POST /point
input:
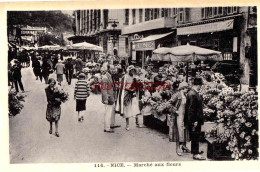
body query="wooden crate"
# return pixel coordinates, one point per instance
(217, 151)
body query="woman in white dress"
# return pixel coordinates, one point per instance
(127, 104)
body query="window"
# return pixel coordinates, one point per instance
(220, 10)
(203, 13)
(126, 45)
(127, 16)
(181, 14)
(162, 12)
(147, 14)
(87, 20)
(105, 19)
(99, 19)
(151, 14)
(91, 21)
(140, 15)
(215, 11)
(229, 10)
(210, 12)
(235, 10)
(133, 16)
(156, 13)
(175, 11)
(169, 12)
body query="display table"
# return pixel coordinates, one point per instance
(154, 123)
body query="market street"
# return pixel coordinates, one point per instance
(30, 141)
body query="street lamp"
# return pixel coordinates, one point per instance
(114, 34)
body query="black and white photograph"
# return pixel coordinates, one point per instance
(104, 85)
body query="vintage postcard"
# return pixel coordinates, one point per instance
(130, 85)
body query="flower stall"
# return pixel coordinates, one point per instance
(232, 115)
(237, 115)
(15, 103)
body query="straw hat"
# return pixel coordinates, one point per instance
(183, 85)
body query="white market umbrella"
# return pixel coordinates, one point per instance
(50, 47)
(188, 53)
(85, 46)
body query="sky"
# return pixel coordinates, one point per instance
(70, 12)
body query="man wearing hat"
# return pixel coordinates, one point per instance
(59, 71)
(159, 79)
(108, 99)
(69, 70)
(194, 117)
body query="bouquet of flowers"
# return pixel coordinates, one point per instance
(15, 103)
(61, 94)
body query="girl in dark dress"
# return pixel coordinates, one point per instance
(37, 69)
(53, 111)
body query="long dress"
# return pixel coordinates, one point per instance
(178, 131)
(53, 111)
(127, 104)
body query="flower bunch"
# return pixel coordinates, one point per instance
(15, 103)
(240, 119)
(61, 94)
(209, 114)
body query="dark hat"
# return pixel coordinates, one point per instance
(197, 81)
(82, 75)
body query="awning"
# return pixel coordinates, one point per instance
(148, 43)
(205, 28)
(154, 37)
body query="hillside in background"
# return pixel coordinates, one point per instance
(55, 21)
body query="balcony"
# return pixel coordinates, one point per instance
(165, 22)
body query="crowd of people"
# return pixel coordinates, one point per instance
(122, 88)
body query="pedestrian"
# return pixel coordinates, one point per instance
(159, 80)
(69, 70)
(139, 90)
(37, 68)
(81, 94)
(55, 61)
(53, 111)
(178, 131)
(127, 103)
(59, 71)
(79, 65)
(108, 98)
(17, 76)
(46, 68)
(193, 117)
(10, 75)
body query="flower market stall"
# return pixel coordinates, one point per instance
(186, 53)
(232, 114)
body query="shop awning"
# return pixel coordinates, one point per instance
(148, 43)
(153, 37)
(206, 28)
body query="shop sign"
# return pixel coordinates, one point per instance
(137, 37)
(150, 45)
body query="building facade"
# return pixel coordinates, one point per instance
(25, 35)
(219, 28)
(147, 29)
(135, 33)
(101, 27)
